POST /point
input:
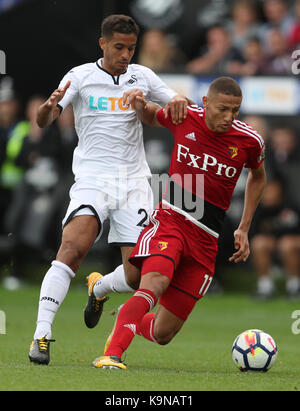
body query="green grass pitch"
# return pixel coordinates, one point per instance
(198, 359)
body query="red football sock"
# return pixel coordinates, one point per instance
(129, 319)
(146, 327)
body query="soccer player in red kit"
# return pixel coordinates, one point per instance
(176, 252)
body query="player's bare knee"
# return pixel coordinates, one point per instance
(286, 245)
(163, 338)
(163, 331)
(71, 254)
(156, 282)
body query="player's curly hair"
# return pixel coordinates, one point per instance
(119, 23)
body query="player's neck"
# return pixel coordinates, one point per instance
(110, 70)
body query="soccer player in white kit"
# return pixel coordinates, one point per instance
(110, 169)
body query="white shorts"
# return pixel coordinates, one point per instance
(127, 205)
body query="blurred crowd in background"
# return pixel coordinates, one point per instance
(256, 39)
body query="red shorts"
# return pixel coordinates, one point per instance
(191, 250)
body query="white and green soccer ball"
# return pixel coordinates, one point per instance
(254, 350)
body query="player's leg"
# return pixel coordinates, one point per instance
(166, 323)
(124, 279)
(179, 271)
(126, 225)
(262, 248)
(175, 305)
(156, 273)
(173, 310)
(99, 286)
(78, 236)
(161, 326)
(153, 284)
(190, 282)
(129, 317)
(289, 249)
(132, 273)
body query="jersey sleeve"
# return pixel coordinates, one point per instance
(256, 156)
(71, 92)
(158, 91)
(166, 122)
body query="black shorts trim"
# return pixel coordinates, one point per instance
(213, 216)
(137, 260)
(60, 108)
(71, 216)
(185, 292)
(122, 244)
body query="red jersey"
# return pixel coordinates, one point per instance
(210, 161)
(220, 157)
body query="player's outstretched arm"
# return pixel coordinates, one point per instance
(146, 111)
(49, 111)
(254, 189)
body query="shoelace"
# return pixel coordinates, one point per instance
(97, 303)
(43, 344)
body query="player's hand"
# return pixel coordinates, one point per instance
(135, 98)
(241, 244)
(177, 108)
(57, 95)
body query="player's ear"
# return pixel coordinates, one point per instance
(204, 100)
(102, 43)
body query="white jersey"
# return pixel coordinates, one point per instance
(110, 136)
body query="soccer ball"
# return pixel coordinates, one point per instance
(254, 350)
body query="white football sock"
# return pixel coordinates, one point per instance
(292, 284)
(265, 285)
(54, 289)
(112, 282)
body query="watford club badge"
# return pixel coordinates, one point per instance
(162, 245)
(233, 151)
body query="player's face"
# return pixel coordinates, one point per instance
(117, 52)
(221, 110)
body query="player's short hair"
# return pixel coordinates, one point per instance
(225, 85)
(119, 23)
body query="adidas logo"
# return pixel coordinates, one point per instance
(191, 136)
(132, 327)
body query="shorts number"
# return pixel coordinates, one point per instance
(142, 222)
(206, 283)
